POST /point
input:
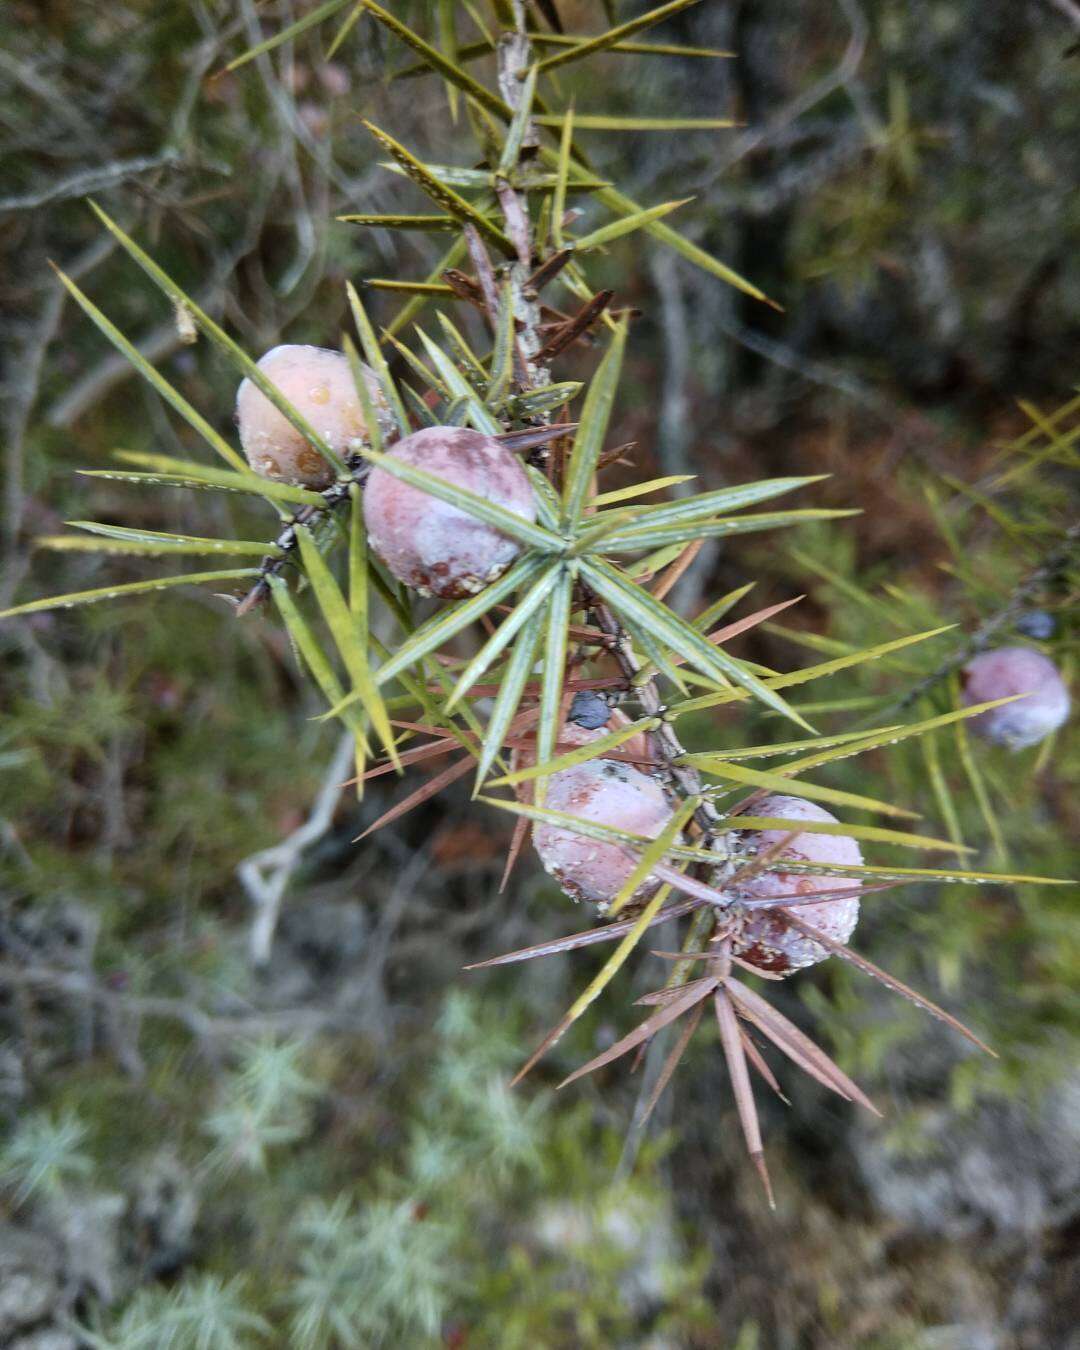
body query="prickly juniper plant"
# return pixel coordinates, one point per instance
(458, 501)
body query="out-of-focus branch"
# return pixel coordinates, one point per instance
(1069, 8)
(840, 77)
(27, 369)
(266, 875)
(90, 180)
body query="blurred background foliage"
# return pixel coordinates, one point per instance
(323, 1151)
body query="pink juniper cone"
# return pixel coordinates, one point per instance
(609, 793)
(431, 546)
(1015, 670)
(319, 384)
(765, 940)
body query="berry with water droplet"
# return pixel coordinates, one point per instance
(1015, 670)
(319, 384)
(763, 938)
(434, 547)
(606, 792)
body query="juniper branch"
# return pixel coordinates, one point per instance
(288, 540)
(665, 744)
(515, 54)
(266, 875)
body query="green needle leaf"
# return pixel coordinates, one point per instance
(781, 781)
(595, 416)
(309, 648)
(442, 65)
(878, 873)
(502, 357)
(450, 621)
(127, 588)
(893, 735)
(556, 642)
(417, 289)
(471, 366)
(516, 134)
(189, 473)
(317, 15)
(509, 696)
(599, 122)
(940, 788)
(503, 635)
(147, 543)
(708, 616)
(617, 228)
(448, 39)
(358, 566)
(363, 393)
(664, 624)
(614, 35)
(441, 193)
(624, 206)
(479, 414)
(980, 792)
(221, 339)
(473, 50)
(641, 536)
(702, 761)
(343, 630)
(373, 355)
(439, 223)
(593, 529)
(810, 673)
(428, 376)
(343, 32)
(721, 500)
(872, 833)
(581, 754)
(658, 659)
(172, 396)
(558, 204)
(641, 489)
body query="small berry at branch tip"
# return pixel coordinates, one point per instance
(1015, 670)
(764, 938)
(319, 384)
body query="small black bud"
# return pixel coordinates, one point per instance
(1036, 623)
(589, 710)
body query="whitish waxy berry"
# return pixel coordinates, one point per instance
(764, 938)
(319, 384)
(434, 547)
(609, 793)
(1015, 670)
